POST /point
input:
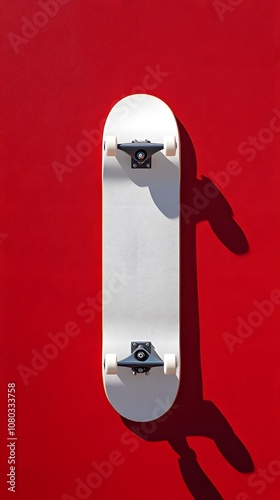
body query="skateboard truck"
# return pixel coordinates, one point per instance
(141, 360)
(141, 152)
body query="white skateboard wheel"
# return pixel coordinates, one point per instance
(170, 145)
(110, 145)
(111, 364)
(170, 364)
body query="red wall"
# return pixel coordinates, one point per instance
(216, 64)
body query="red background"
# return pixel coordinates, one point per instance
(217, 67)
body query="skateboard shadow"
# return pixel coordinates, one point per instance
(191, 415)
(163, 188)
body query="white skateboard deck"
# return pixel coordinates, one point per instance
(141, 258)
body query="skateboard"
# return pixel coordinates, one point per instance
(141, 181)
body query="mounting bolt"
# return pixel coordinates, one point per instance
(147, 344)
(134, 344)
(148, 165)
(140, 155)
(134, 165)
